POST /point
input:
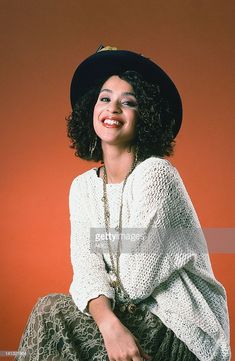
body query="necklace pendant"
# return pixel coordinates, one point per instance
(122, 308)
(114, 284)
(131, 308)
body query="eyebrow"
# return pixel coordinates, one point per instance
(110, 91)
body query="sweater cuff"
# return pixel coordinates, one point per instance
(82, 303)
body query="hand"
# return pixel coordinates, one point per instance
(120, 343)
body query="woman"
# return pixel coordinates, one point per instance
(143, 287)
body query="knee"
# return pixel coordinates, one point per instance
(46, 303)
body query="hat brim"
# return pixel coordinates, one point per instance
(106, 63)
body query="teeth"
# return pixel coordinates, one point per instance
(111, 122)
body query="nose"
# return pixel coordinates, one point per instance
(113, 107)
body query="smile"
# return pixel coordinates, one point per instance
(111, 122)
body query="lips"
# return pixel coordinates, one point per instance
(111, 121)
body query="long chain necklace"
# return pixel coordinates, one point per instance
(117, 284)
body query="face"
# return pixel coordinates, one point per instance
(115, 112)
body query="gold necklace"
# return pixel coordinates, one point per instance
(117, 284)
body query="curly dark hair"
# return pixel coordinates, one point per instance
(154, 127)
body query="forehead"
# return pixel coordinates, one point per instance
(116, 83)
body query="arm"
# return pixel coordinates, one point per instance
(169, 233)
(90, 288)
(90, 278)
(120, 343)
(171, 261)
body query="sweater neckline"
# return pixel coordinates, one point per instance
(100, 180)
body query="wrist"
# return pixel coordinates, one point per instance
(109, 322)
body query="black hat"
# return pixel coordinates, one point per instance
(108, 61)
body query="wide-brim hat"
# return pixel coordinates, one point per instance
(108, 61)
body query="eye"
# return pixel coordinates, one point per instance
(130, 103)
(104, 99)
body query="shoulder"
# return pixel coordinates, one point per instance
(79, 184)
(82, 178)
(158, 176)
(155, 163)
(155, 169)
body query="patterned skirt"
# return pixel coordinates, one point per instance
(57, 331)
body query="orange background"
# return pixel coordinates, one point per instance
(42, 43)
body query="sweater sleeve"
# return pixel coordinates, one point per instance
(90, 278)
(169, 261)
(167, 231)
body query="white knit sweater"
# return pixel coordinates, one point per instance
(169, 260)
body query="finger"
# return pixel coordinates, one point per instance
(144, 355)
(139, 358)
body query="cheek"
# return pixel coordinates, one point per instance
(134, 122)
(97, 111)
(134, 117)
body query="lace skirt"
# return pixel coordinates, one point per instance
(56, 330)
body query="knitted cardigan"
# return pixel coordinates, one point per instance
(167, 260)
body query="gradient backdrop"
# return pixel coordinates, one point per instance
(41, 44)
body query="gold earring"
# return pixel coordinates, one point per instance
(92, 146)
